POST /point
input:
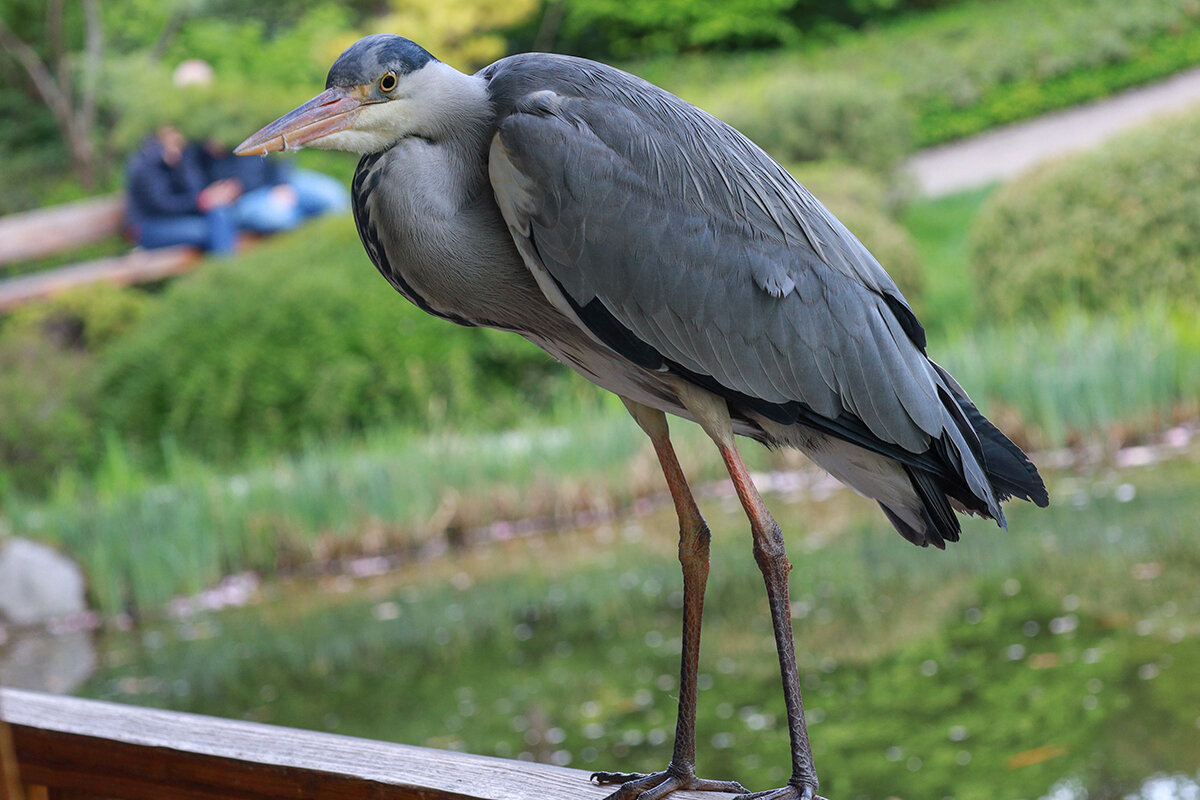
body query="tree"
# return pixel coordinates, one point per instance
(66, 82)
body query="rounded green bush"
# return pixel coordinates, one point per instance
(809, 117)
(301, 337)
(1114, 228)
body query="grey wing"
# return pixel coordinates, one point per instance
(654, 220)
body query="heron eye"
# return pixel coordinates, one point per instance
(388, 81)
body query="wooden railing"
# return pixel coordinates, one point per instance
(45, 231)
(73, 749)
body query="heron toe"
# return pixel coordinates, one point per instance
(637, 786)
(793, 791)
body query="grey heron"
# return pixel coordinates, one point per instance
(666, 258)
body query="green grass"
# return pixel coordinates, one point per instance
(144, 537)
(1058, 650)
(940, 230)
(1082, 378)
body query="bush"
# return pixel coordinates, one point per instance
(46, 424)
(82, 319)
(808, 117)
(1108, 229)
(47, 364)
(301, 337)
(862, 202)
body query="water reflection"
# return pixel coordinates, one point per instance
(41, 661)
(1157, 787)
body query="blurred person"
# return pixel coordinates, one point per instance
(170, 200)
(275, 196)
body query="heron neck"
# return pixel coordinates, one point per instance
(462, 118)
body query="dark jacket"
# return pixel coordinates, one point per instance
(254, 172)
(158, 189)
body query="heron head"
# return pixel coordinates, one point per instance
(381, 89)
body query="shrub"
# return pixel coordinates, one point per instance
(46, 424)
(85, 318)
(47, 364)
(809, 117)
(301, 337)
(1107, 229)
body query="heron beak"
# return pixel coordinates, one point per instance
(331, 111)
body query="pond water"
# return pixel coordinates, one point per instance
(1058, 660)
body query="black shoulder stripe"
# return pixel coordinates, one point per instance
(601, 322)
(908, 320)
(365, 181)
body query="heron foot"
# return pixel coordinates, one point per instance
(637, 786)
(793, 791)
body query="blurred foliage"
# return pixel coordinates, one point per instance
(47, 364)
(1080, 377)
(984, 63)
(638, 28)
(969, 66)
(1112, 228)
(300, 336)
(466, 33)
(86, 318)
(939, 228)
(814, 117)
(46, 425)
(865, 205)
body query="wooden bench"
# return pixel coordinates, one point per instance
(86, 750)
(44, 232)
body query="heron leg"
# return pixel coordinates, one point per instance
(771, 556)
(712, 413)
(693, 557)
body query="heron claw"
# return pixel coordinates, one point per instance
(793, 791)
(639, 786)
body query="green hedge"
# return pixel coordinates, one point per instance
(1114, 228)
(809, 117)
(301, 337)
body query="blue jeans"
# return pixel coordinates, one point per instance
(215, 231)
(263, 211)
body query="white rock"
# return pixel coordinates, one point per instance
(37, 583)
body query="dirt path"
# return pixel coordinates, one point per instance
(1002, 153)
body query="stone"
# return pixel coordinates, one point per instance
(37, 583)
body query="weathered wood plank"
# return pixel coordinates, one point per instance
(10, 781)
(140, 266)
(44, 231)
(148, 754)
